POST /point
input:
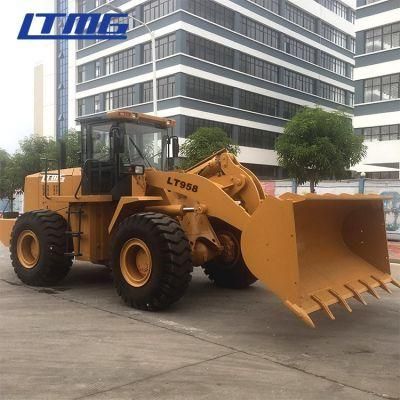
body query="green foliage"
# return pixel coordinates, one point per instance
(28, 159)
(317, 145)
(204, 142)
(8, 181)
(73, 146)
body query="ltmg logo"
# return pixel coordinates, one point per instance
(76, 26)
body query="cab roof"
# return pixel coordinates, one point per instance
(131, 116)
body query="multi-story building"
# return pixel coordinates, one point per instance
(243, 65)
(54, 80)
(377, 84)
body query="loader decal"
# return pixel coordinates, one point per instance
(183, 185)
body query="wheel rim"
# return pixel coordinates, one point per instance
(136, 262)
(231, 251)
(28, 249)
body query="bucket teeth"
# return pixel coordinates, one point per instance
(323, 306)
(370, 289)
(396, 282)
(356, 294)
(340, 299)
(300, 313)
(381, 284)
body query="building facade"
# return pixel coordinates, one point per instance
(377, 84)
(244, 65)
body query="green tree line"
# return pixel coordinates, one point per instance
(29, 159)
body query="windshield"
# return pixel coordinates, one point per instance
(145, 144)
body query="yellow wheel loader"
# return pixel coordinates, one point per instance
(124, 208)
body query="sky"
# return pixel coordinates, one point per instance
(19, 58)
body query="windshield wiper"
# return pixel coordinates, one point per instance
(139, 152)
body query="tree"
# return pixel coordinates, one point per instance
(73, 148)
(8, 181)
(317, 144)
(29, 158)
(204, 142)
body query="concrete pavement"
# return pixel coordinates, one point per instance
(394, 251)
(78, 341)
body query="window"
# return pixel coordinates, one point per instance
(192, 124)
(333, 64)
(259, 32)
(128, 20)
(158, 8)
(333, 35)
(338, 8)
(289, 110)
(97, 69)
(212, 12)
(299, 49)
(120, 61)
(82, 73)
(272, 5)
(352, 45)
(165, 89)
(119, 98)
(382, 38)
(251, 137)
(81, 107)
(351, 99)
(165, 46)
(209, 51)
(387, 132)
(298, 81)
(97, 103)
(300, 17)
(209, 91)
(82, 6)
(260, 68)
(258, 103)
(382, 88)
(333, 93)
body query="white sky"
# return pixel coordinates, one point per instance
(16, 72)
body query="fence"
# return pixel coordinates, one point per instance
(388, 188)
(18, 204)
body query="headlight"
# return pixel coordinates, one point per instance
(138, 170)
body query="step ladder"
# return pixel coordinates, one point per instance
(74, 234)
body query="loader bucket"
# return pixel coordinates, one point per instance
(6, 226)
(314, 251)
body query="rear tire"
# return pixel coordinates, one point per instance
(229, 269)
(151, 261)
(38, 243)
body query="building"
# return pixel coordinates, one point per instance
(38, 104)
(54, 81)
(244, 65)
(377, 85)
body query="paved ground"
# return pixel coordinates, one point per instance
(394, 251)
(78, 341)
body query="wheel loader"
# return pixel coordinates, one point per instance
(124, 208)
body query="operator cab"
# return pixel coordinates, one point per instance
(122, 144)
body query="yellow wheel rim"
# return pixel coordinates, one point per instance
(136, 263)
(28, 249)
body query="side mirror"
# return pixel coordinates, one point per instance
(175, 147)
(118, 139)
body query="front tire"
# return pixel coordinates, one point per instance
(229, 270)
(151, 261)
(38, 244)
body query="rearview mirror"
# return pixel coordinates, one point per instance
(175, 147)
